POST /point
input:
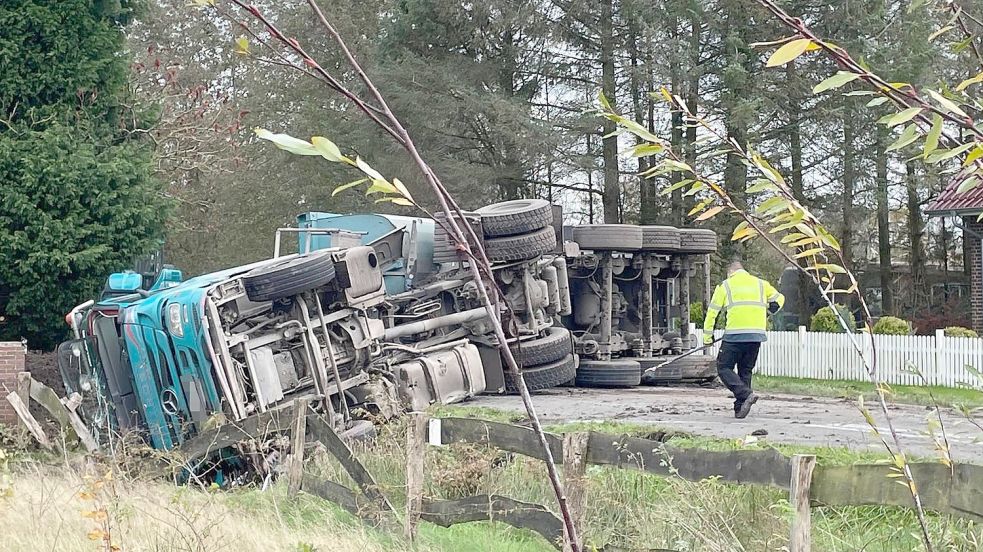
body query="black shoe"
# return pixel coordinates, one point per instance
(745, 407)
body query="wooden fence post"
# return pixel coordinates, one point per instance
(24, 412)
(801, 533)
(298, 440)
(574, 471)
(416, 443)
(24, 386)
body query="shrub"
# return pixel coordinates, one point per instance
(697, 314)
(891, 325)
(959, 331)
(825, 320)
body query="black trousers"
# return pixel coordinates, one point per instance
(743, 356)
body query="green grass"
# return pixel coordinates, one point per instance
(903, 394)
(636, 510)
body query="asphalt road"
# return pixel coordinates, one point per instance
(792, 419)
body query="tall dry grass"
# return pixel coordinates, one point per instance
(51, 508)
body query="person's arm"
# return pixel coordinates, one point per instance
(713, 309)
(774, 298)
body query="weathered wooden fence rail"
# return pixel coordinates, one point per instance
(957, 491)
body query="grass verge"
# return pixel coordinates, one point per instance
(903, 394)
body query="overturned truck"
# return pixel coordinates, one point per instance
(380, 313)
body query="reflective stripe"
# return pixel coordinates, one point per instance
(744, 332)
(774, 297)
(730, 296)
(713, 308)
(747, 304)
(761, 291)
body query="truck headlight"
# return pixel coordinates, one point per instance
(174, 324)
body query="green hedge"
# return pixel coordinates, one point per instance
(825, 320)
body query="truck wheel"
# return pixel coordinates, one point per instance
(663, 375)
(544, 376)
(519, 216)
(609, 373)
(289, 277)
(697, 240)
(660, 238)
(608, 237)
(522, 247)
(555, 346)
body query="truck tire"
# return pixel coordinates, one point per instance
(511, 218)
(609, 373)
(697, 240)
(544, 376)
(554, 346)
(289, 277)
(660, 238)
(664, 375)
(608, 237)
(522, 247)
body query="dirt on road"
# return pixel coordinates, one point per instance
(787, 419)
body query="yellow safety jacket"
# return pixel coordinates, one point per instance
(745, 299)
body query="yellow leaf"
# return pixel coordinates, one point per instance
(973, 156)
(700, 206)
(97, 515)
(402, 189)
(242, 46)
(969, 82)
(710, 213)
(381, 186)
(932, 139)
(904, 116)
(788, 52)
(327, 149)
(84, 495)
(369, 171)
(809, 252)
(344, 187)
(96, 534)
(948, 104)
(666, 94)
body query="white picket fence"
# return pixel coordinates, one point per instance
(941, 360)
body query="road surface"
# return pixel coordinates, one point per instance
(791, 419)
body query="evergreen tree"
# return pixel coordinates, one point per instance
(77, 200)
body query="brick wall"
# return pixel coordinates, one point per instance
(975, 261)
(11, 362)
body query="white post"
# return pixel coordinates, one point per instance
(802, 352)
(939, 363)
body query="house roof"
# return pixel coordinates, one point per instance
(950, 202)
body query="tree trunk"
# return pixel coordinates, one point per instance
(612, 189)
(646, 197)
(676, 132)
(794, 110)
(692, 93)
(916, 231)
(884, 226)
(849, 185)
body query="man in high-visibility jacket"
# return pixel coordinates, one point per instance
(747, 300)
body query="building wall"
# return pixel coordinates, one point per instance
(11, 362)
(975, 262)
